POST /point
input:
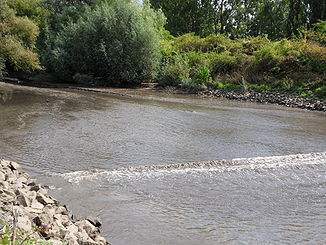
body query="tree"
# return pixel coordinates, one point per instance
(33, 9)
(241, 18)
(316, 11)
(117, 43)
(184, 16)
(17, 40)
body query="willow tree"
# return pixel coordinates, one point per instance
(116, 43)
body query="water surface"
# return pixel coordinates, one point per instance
(91, 149)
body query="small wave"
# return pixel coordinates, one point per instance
(238, 164)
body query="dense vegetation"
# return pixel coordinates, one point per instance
(297, 65)
(258, 45)
(241, 18)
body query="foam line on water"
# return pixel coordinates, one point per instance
(238, 164)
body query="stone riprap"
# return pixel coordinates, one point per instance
(313, 104)
(31, 206)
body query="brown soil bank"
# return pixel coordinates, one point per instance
(25, 205)
(288, 100)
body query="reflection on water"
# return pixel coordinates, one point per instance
(59, 135)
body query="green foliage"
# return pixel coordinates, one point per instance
(261, 88)
(255, 63)
(321, 92)
(318, 33)
(223, 63)
(175, 71)
(117, 43)
(239, 19)
(21, 237)
(229, 86)
(217, 43)
(33, 9)
(84, 79)
(17, 40)
(187, 70)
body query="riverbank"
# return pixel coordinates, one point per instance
(25, 205)
(283, 99)
(287, 100)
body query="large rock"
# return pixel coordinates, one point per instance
(23, 200)
(24, 224)
(87, 226)
(43, 199)
(43, 220)
(2, 176)
(14, 166)
(94, 221)
(37, 205)
(54, 242)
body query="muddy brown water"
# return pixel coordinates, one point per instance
(91, 150)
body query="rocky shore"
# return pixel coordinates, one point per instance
(287, 100)
(25, 205)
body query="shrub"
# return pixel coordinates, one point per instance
(318, 32)
(115, 42)
(253, 44)
(175, 71)
(193, 84)
(203, 75)
(261, 88)
(228, 86)
(268, 59)
(84, 79)
(212, 43)
(255, 63)
(188, 42)
(10, 235)
(218, 43)
(223, 63)
(321, 92)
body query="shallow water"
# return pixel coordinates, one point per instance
(92, 148)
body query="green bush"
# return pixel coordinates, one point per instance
(261, 88)
(175, 71)
(254, 63)
(187, 70)
(318, 32)
(84, 79)
(188, 42)
(8, 235)
(250, 45)
(193, 84)
(203, 75)
(321, 92)
(228, 86)
(212, 43)
(116, 42)
(268, 59)
(223, 63)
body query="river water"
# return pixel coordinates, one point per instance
(91, 150)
